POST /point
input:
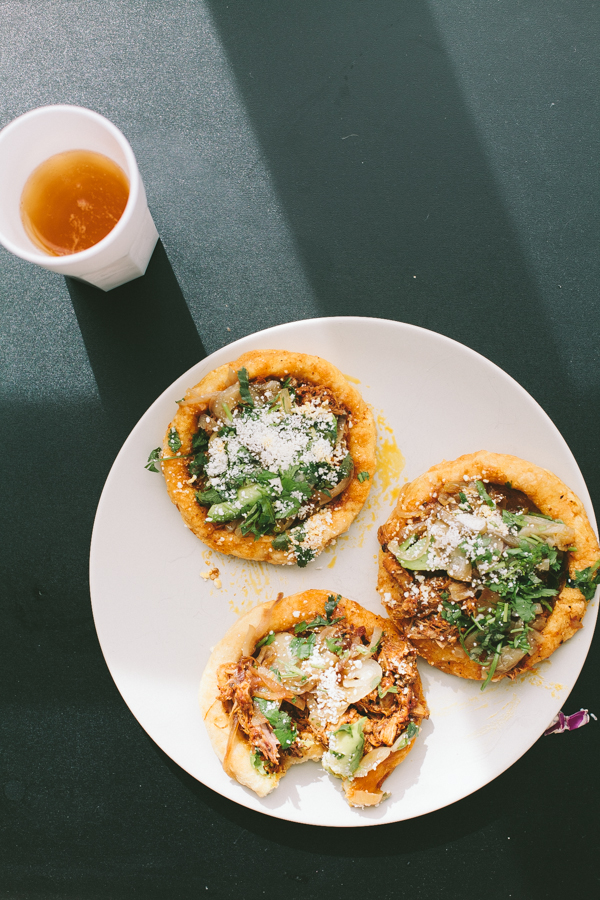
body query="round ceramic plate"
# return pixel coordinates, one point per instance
(158, 618)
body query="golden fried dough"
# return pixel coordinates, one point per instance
(325, 524)
(401, 589)
(238, 648)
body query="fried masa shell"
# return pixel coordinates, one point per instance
(365, 791)
(551, 496)
(262, 364)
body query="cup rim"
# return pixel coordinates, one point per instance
(83, 256)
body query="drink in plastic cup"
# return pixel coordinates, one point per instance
(31, 139)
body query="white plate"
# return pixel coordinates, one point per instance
(157, 618)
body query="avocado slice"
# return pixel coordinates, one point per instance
(345, 749)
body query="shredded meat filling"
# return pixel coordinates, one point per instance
(417, 610)
(387, 711)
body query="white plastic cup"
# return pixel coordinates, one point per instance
(26, 142)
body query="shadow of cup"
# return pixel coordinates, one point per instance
(139, 338)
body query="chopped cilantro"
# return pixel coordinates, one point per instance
(198, 464)
(282, 725)
(331, 604)
(346, 467)
(304, 555)
(524, 579)
(209, 497)
(274, 498)
(301, 647)
(362, 476)
(264, 476)
(493, 666)
(319, 621)
(257, 511)
(334, 644)
(452, 614)
(587, 580)
(174, 440)
(524, 608)
(200, 441)
(281, 542)
(152, 459)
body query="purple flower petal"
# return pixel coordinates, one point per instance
(562, 723)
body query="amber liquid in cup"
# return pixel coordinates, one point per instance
(73, 200)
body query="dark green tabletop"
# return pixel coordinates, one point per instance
(433, 163)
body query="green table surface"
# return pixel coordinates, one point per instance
(429, 162)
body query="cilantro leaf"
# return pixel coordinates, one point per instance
(174, 440)
(294, 479)
(301, 647)
(198, 463)
(523, 607)
(200, 441)
(209, 497)
(346, 467)
(259, 516)
(586, 580)
(304, 555)
(281, 723)
(152, 459)
(334, 644)
(331, 604)
(317, 622)
(281, 542)
(363, 476)
(199, 449)
(452, 613)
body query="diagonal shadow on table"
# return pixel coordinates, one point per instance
(139, 338)
(387, 188)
